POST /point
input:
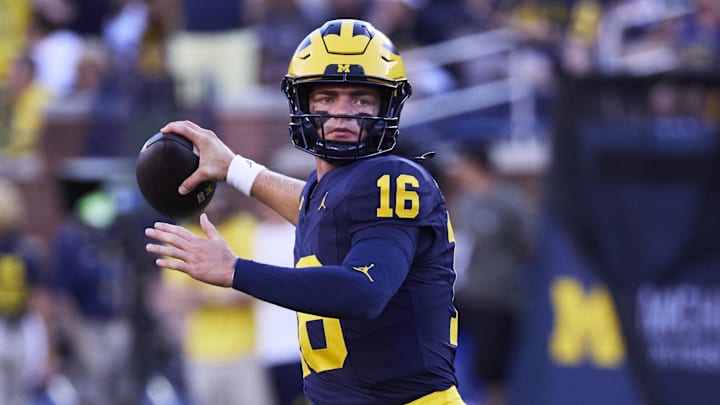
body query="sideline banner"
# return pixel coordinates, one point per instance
(633, 206)
(572, 351)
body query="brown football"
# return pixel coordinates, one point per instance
(164, 162)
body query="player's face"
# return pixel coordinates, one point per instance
(344, 100)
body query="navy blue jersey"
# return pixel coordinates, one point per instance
(91, 268)
(407, 350)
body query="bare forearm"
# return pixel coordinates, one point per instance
(279, 192)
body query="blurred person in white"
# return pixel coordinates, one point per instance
(24, 304)
(55, 49)
(216, 325)
(276, 330)
(492, 218)
(272, 243)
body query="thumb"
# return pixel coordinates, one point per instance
(190, 183)
(210, 231)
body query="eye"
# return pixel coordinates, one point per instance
(321, 99)
(366, 101)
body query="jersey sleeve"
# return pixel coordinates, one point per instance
(370, 275)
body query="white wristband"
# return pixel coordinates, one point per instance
(242, 173)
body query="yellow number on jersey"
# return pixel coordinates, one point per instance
(333, 355)
(407, 202)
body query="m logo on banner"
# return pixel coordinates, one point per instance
(585, 326)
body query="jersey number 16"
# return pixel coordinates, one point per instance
(406, 201)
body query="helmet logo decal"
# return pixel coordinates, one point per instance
(344, 68)
(350, 38)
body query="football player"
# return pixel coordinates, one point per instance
(373, 278)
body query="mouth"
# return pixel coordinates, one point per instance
(341, 135)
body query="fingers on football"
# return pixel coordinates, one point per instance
(192, 131)
(187, 129)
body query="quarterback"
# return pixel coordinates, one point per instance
(373, 278)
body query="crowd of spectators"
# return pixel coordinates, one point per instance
(155, 60)
(129, 66)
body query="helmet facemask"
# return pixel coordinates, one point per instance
(377, 135)
(346, 52)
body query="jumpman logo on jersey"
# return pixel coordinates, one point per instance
(366, 271)
(322, 202)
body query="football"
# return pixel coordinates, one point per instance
(164, 162)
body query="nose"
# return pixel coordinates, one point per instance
(343, 106)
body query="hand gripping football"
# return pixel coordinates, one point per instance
(163, 163)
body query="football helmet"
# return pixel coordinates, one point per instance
(346, 51)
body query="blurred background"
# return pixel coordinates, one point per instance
(577, 146)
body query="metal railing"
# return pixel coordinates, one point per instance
(472, 48)
(524, 148)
